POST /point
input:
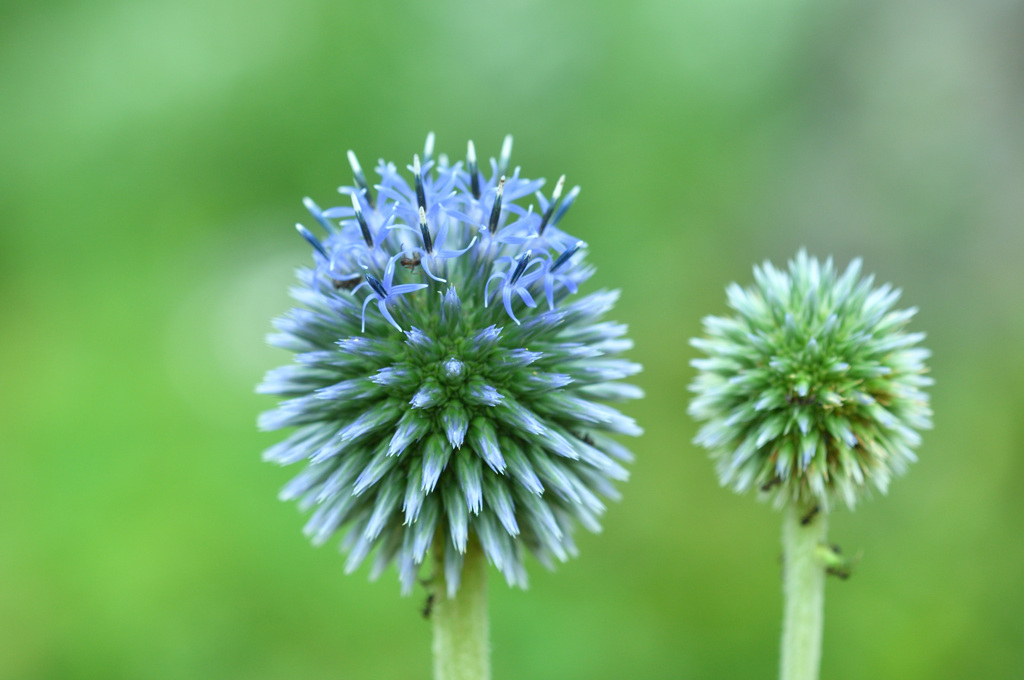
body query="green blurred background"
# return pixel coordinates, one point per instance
(153, 155)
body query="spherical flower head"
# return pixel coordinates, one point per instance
(446, 380)
(812, 390)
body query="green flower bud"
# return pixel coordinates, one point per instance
(812, 392)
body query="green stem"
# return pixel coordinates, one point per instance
(461, 648)
(803, 588)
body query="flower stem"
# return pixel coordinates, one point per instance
(461, 647)
(803, 588)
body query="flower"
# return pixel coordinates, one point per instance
(454, 405)
(812, 391)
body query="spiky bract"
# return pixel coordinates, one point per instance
(462, 401)
(812, 390)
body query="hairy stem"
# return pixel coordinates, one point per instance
(461, 647)
(803, 589)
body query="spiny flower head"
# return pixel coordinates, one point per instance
(445, 377)
(812, 390)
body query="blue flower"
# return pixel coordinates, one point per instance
(438, 416)
(516, 279)
(555, 273)
(432, 253)
(384, 292)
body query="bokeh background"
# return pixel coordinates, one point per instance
(153, 155)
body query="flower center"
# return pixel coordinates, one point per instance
(453, 371)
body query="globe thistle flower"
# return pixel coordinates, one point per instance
(446, 383)
(812, 391)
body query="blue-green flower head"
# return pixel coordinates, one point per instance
(447, 377)
(812, 392)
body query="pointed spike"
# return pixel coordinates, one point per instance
(428, 241)
(428, 148)
(486, 530)
(453, 559)
(457, 514)
(451, 306)
(421, 197)
(506, 155)
(455, 421)
(312, 240)
(570, 198)
(522, 261)
(385, 505)
(555, 478)
(492, 223)
(479, 393)
(513, 414)
(317, 214)
(360, 549)
(412, 503)
(471, 168)
(407, 567)
(378, 466)
(469, 473)
(555, 195)
(499, 500)
(544, 524)
(328, 518)
(410, 428)
(427, 396)
(484, 439)
(520, 468)
(436, 453)
(424, 529)
(363, 227)
(390, 546)
(360, 178)
(565, 256)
